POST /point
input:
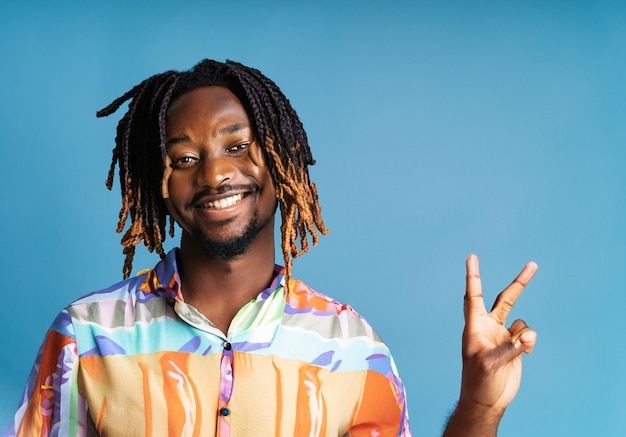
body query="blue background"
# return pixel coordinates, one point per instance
(440, 129)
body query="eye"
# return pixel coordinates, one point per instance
(184, 161)
(238, 148)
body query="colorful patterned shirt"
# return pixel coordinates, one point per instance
(136, 360)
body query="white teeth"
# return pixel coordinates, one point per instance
(224, 203)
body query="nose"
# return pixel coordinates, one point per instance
(215, 171)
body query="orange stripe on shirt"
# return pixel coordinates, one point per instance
(38, 415)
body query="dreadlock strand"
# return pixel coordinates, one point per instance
(287, 232)
(123, 145)
(111, 174)
(115, 104)
(172, 228)
(304, 241)
(150, 231)
(163, 114)
(129, 252)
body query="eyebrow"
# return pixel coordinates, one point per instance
(179, 139)
(231, 129)
(223, 131)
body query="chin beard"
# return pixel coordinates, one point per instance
(233, 247)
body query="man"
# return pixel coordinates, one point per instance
(217, 339)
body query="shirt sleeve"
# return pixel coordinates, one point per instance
(50, 403)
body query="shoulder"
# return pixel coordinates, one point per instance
(160, 281)
(331, 334)
(121, 291)
(309, 307)
(303, 297)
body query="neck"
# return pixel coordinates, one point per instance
(218, 288)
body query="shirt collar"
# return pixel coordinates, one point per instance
(164, 280)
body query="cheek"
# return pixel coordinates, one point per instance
(269, 192)
(262, 175)
(175, 212)
(174, 187)
(175, 192)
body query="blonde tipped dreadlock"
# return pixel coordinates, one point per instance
(140, 155)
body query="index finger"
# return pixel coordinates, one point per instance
(474, 304)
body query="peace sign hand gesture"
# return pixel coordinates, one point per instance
(492, 355)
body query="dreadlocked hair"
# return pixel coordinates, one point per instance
(140, 155)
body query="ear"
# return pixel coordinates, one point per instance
(256, 154)
(165, 192)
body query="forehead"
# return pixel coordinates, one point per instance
(205, 102)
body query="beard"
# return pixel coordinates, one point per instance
(235, 246)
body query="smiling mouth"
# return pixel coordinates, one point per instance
(222, 203)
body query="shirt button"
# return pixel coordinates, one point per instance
(227, 346)
(224, 411)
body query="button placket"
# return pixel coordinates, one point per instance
(226, 381)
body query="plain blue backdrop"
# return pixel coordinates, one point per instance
(440, 129)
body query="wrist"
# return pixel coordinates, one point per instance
(473, 409)
(471, 419)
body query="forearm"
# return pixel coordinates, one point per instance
(473, 421)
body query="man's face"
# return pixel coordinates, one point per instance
(220, 191)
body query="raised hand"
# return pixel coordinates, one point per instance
(492, 355)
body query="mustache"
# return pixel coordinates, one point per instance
(224, 189)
